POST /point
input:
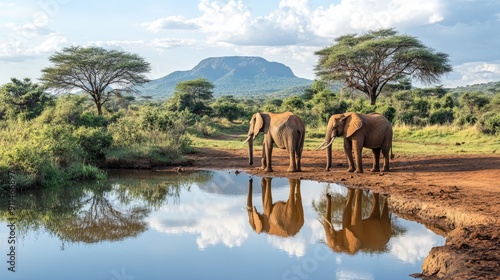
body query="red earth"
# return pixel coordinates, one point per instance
(455, 196)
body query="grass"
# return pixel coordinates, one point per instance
(407, 141)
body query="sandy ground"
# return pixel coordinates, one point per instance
(455, 196)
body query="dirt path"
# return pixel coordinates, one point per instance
(455, 196)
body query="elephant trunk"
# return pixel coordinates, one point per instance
(250, 150)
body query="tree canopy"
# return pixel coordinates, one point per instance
(192, 95)
(370, 61)
(22, 98)
(95, 70)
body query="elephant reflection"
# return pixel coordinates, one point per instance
(371, 234)
(280, 218)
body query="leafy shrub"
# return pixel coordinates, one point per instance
(93, 141)
(441, 116)
(490, 123)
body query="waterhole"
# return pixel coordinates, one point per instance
(207, 225)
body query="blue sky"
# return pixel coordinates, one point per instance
(176, 35)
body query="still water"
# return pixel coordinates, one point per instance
(208, 225)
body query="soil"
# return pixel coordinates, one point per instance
(457, 196)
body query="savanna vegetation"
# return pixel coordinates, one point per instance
(49, 139)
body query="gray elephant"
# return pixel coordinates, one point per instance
(371, 131)
(286, 130)
(279, 218)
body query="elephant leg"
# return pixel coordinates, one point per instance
(375, 213)
(269, 151)
(348, 153)
(263, 160)
(298, 158)
(386, 152)
(376, 160)
(293, 164)
(358, 154)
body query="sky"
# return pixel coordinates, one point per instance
(177, 35)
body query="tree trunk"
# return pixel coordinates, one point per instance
(99, 108)
(373, 99)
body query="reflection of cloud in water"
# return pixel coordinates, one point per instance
(295, 246)
(213, 224)
(348, 275)
(413, 247)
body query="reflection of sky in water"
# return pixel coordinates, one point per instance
(206, 235)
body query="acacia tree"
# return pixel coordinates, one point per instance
(370, 61)
(95, 70)
(192, 95)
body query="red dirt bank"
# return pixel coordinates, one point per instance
(455, 196)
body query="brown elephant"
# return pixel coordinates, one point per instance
(280, 218)
(371, 234)
(286, 130)
(371, 131)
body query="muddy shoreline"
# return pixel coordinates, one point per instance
(456, 196)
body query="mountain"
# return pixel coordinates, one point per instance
(232, 75)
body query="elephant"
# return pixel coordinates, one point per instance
(286, 130)
(371, 234)
(371, 131)
(281, 218)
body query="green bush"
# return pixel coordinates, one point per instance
(490, 123)
(441, 116)
(93, 141)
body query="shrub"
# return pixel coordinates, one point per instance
(441, 116)
(93, 141)
(490, 123)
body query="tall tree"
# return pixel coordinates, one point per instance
(23, 98)
(192, 95)
(95, 70)
(370, 61)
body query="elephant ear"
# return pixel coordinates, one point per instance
(259, 123)
(352, 123)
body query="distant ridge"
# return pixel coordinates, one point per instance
(232, 75)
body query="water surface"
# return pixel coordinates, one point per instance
(208, 225)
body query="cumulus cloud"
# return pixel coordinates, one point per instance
(212, 223)
(358, 16)
(168, 43)
(475, 73)
(172, 22)
(412, 249)
(294, 246)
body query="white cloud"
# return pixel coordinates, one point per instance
(49, 44)
(171, 22)
(212, 223)
(414, 248)
(475, 73)
(168, 43)
(294, 246)
(352, 16)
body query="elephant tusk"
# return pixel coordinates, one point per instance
(321, 145)
(248, 138)
(333, 138)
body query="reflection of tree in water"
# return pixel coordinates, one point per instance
(92, 212)
(157, 190)
(98, 220)
(344, 226)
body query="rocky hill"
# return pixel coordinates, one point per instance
(232, 75)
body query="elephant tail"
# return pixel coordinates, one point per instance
(301, 142)
(392, 155)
